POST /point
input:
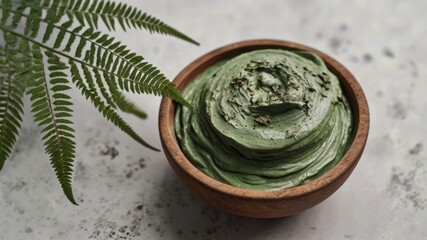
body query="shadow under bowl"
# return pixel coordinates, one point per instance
(264, 204)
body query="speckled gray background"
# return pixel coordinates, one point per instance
(128, 192)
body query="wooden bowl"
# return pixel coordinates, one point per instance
(264, 204)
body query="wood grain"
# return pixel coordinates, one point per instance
(264, 204)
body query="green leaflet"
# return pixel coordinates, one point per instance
(52, 110)
(60, 46)
(11, 94)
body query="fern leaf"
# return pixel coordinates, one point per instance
(11, 93)
(121, 101)
(110, 13)
(52, 110)
(107, 111)
(148, 79)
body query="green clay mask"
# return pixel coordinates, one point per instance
(265, 120)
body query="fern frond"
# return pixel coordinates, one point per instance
(111, 13)
(11, 93)
(106, 110)
(108, 55)
(52, 110)
(90, 13)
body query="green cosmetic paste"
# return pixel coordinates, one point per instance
(265, 120)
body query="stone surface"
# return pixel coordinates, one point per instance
(128, 192)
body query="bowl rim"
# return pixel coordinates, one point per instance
(347, 163)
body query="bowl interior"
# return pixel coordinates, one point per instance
(349, 85)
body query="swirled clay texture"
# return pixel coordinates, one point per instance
(265, 120)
